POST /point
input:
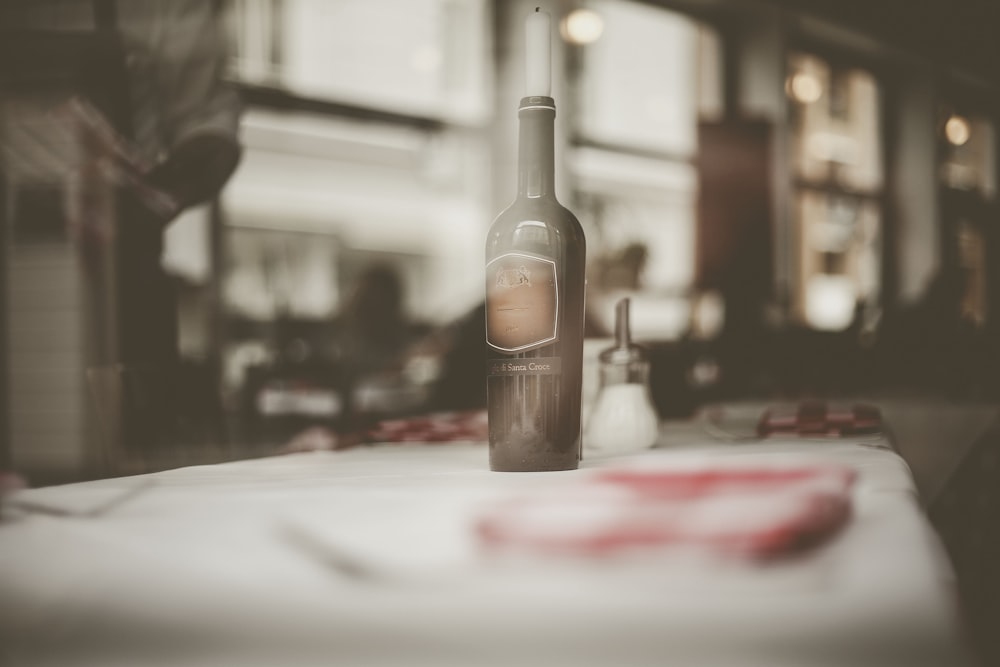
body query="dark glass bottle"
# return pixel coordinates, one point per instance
(535, 280)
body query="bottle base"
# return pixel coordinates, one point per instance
(532, 468)
(510, 462)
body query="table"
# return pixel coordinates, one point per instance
(366, 557)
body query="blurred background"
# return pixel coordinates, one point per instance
(800, 198)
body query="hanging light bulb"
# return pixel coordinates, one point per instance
(804, 87)
(829, 302)
(582, 26)
(957, 130)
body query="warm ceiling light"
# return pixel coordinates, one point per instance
(582, 26)
(830, 302)
(805, 87)
(957, 130)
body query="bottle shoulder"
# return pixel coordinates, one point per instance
(529, 213)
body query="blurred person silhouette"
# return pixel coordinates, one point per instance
(931, 346)
(174, 146)
(623, 269)
(370, 339)
(372, 329)
(116, 119)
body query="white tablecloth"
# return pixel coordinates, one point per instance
(367, 557)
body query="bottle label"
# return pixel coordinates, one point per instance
(522, 302)
(533, 366)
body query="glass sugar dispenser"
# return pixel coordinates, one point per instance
(623, 418)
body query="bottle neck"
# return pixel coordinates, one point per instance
(536, 147)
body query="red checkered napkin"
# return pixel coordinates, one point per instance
(819, 418)
(756, 512)
(435, 427)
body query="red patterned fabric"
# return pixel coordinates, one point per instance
(819, 418)
(436, 427)
(756, 512)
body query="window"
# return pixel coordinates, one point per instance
(379, 139)
(967, 174)
(641, 88)
(365, 142)
(836, 145)
(425, 58)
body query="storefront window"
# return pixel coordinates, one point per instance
(838, 176)
(642, 87)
